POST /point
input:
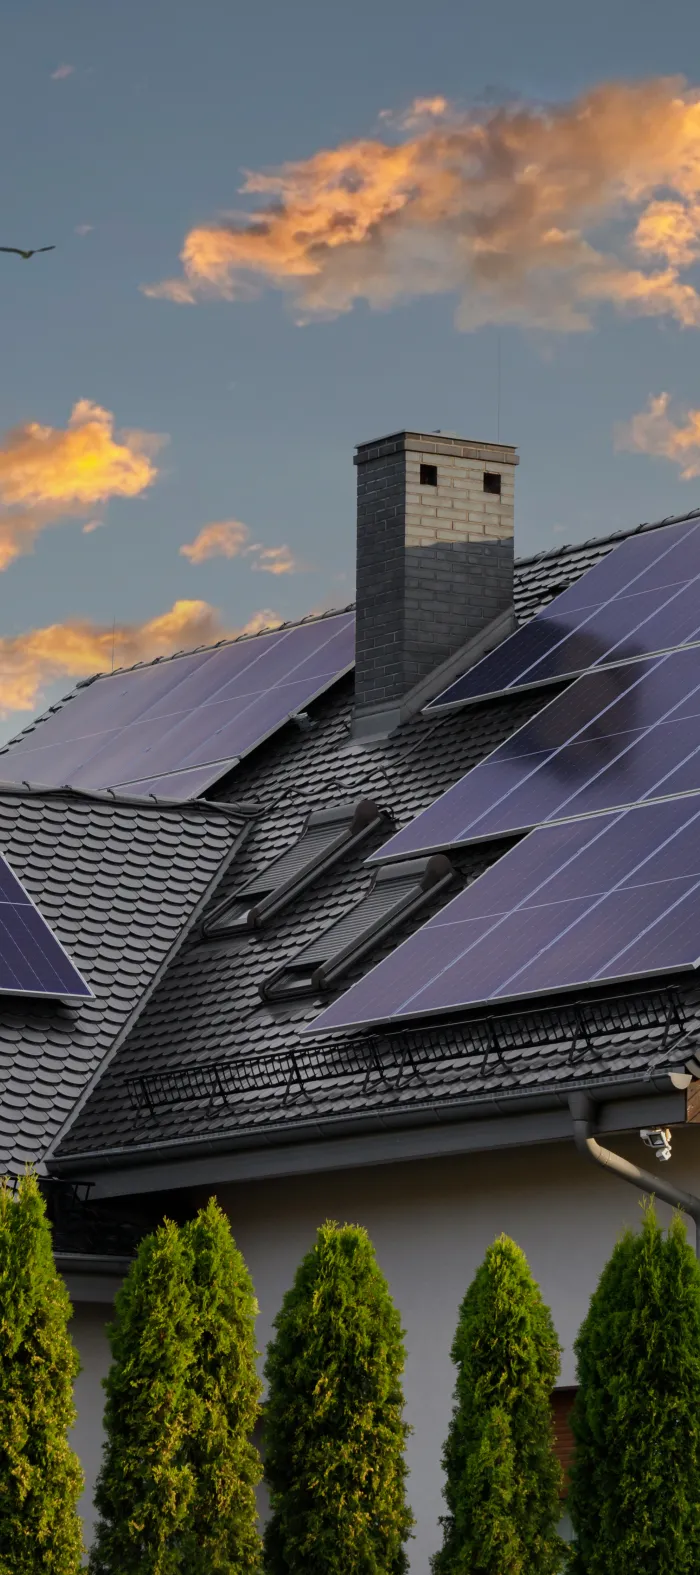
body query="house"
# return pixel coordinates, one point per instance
(285, 1010)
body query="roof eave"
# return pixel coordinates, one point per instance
(483, 1121)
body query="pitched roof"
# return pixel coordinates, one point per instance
(206, 1021)
(118, 882)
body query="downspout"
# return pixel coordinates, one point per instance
(583, 1112)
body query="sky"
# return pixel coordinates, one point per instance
(282, 230)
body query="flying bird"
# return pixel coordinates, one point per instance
(26, 255)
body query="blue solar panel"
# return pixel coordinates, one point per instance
(179, 788)
(32, 960)
(187, 713)
(617, 737)
(581, 903)
(642, 598)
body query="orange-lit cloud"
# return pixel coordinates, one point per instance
(274, 560)
(655, 431)
(229, 539)
(223, 539)
(31, 661)
(48, 474)
(532, 215)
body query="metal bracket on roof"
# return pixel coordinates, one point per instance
(484, 1048)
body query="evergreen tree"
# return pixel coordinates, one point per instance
(333, 1425)
(146, 1486)
(502, 1477)
(176, 1494)
(635, 1493)
(226, 1465)
(40, 1476)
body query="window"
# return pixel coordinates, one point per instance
(428, 475)
(397, 891)
(492, 482)
(326, 834)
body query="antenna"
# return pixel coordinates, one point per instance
(498, 386)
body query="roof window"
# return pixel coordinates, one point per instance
(326, 835)
(397, 891)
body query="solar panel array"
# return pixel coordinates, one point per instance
(173, 727)
(580, 903)
(605, 781)
(32, 960)
(642, 598)
(618, 736)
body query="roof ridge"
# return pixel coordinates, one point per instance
(599, 541)
(236, 639)
(243, 809)
(331, 612)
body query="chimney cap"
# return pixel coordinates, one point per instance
(435, 443)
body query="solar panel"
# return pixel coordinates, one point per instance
(643, 597)
(32, 960)
(185, 713)
(617, 737)
(577, 904)
(182, 786)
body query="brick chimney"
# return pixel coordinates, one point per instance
(434, 560)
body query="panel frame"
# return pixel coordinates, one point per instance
(439, 706)
(496, 913)
(27, 759)
(71, 997)
(402, 845)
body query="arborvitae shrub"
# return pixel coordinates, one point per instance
(40, 1476)
(176, 1494)
(146, 1486)
(635, 1493)
(226, 1465)
(502, 1476)
(334, 1431)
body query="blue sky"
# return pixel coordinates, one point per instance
(167, 102)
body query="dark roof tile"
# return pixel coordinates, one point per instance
(207, 1008)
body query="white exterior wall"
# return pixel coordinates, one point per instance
(88, 1334)
(431, 1222)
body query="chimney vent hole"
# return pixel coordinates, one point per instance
(428, 476)
(492, 482)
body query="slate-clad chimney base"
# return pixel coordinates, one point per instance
(434, 561)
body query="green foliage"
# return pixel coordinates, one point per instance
(502, 1477)
(226, 1465)
(333, 1423)
(40, 1476)
(176, 1490)
(635, 1494)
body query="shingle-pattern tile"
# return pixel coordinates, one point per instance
(117, 884)
(208, 1008)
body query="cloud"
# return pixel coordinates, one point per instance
(274, 560)
(537, 215)
(84, 229)
(31, 661)
(419, 113)
(61, 72)
(223, 539)
(91, 526)
(48, 474)
(654, 431)
(229, 539)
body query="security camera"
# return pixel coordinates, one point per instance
(659, 1139)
